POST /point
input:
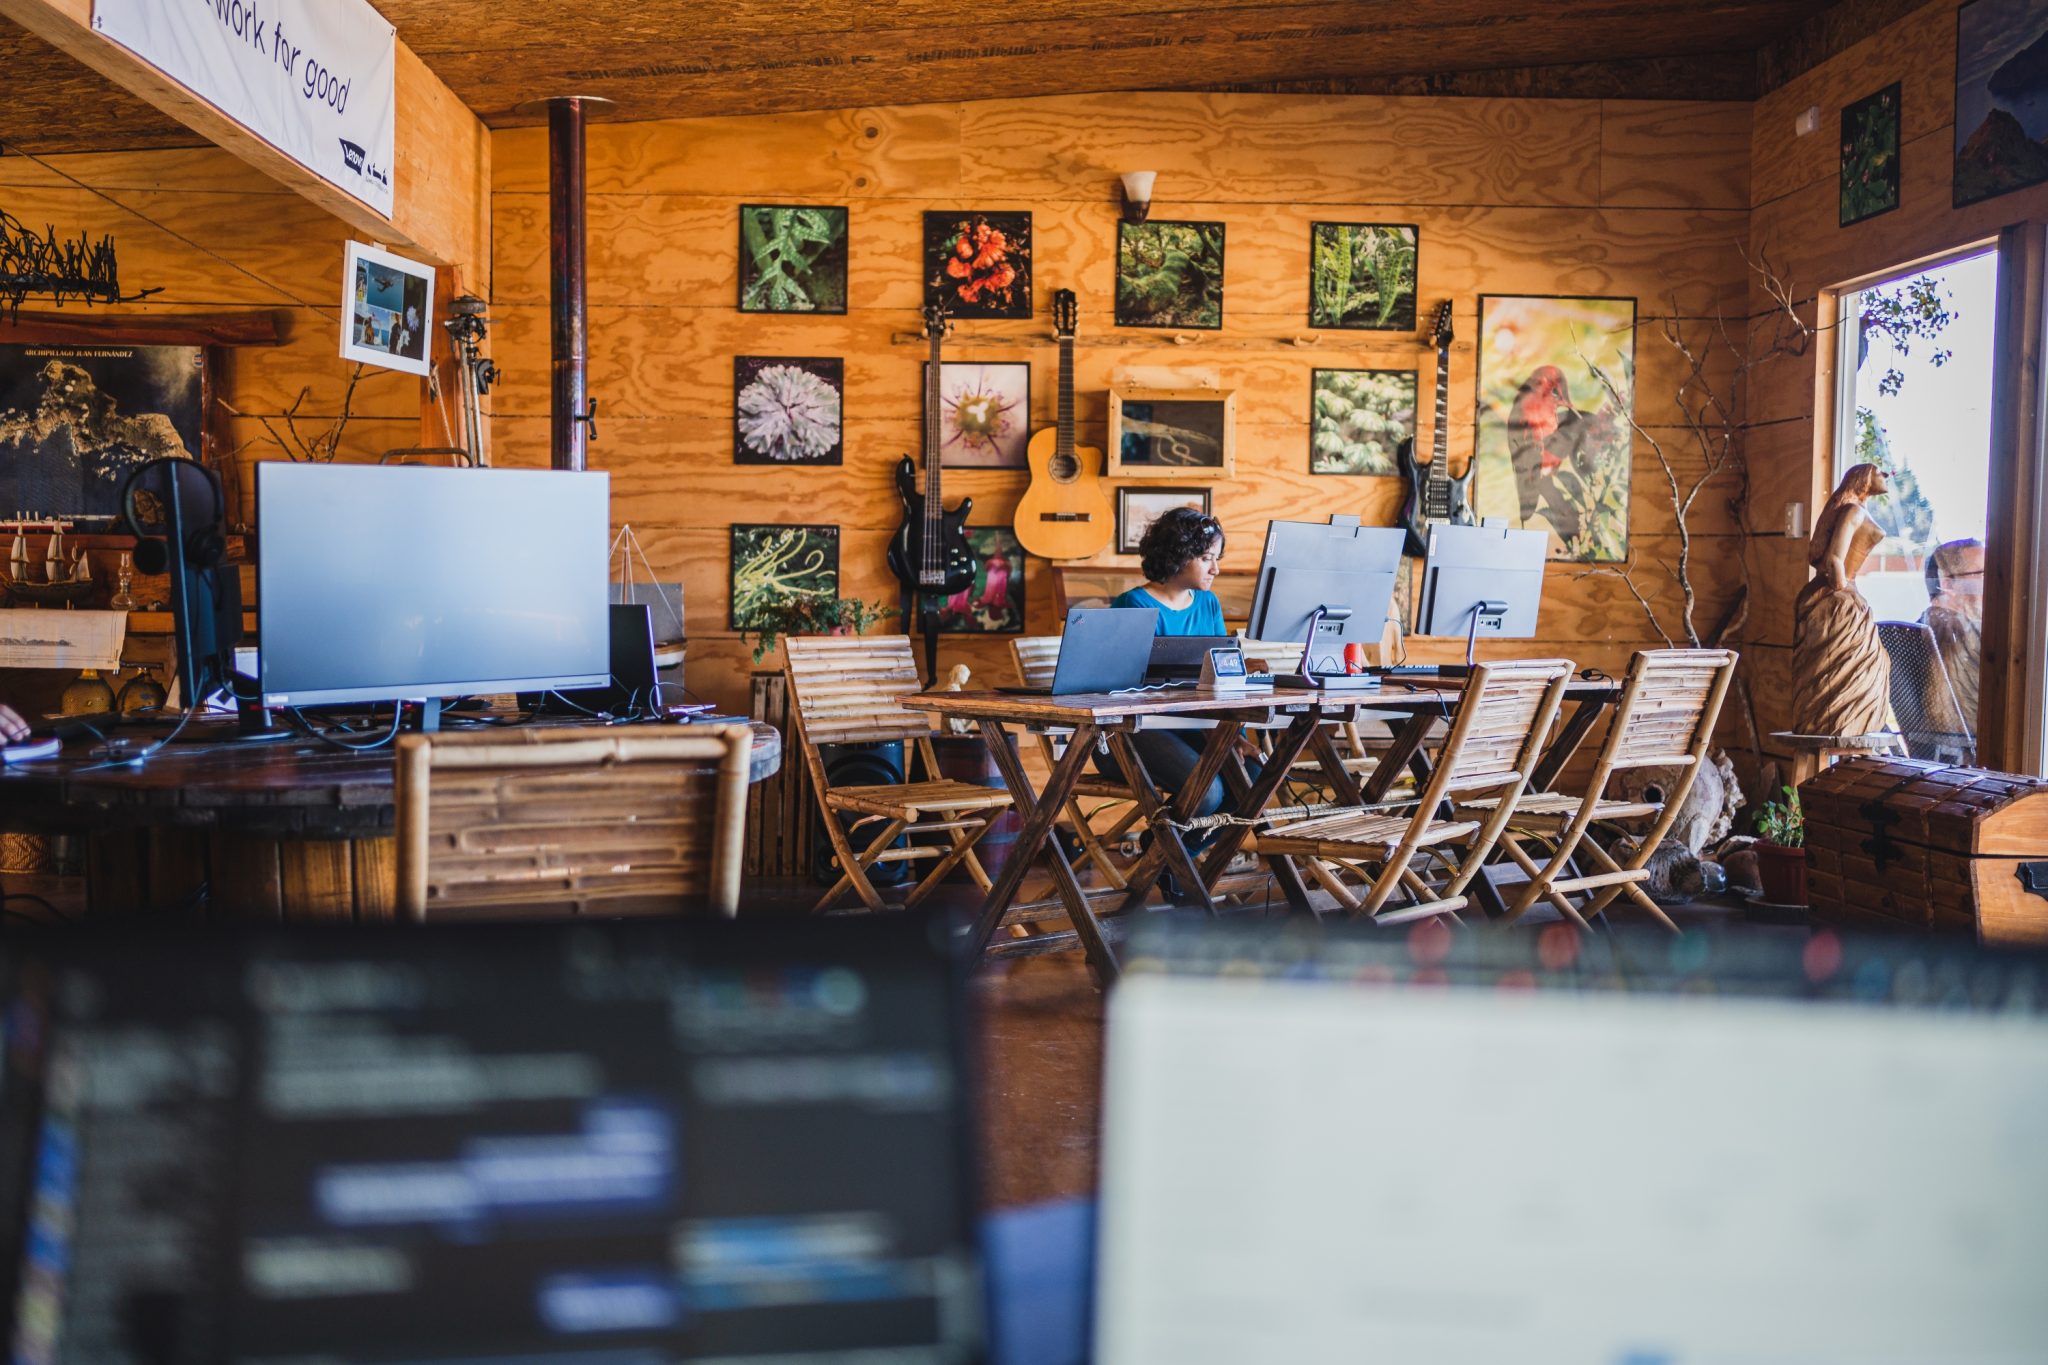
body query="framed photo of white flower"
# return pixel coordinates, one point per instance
(984, 413)
(786, 410)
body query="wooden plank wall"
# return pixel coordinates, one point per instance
(1794, 221)
(213, 234)
(1511, 196)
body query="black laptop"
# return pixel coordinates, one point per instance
(1103, 649)
(634, 688)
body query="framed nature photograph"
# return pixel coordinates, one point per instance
(792, 258)
(1555, 420)
(1169, 275)
(772, 565)
(387, 305)
(994, 603)
(1362, 275)
(1138, 508)
(1168, 433)
(786, 410)
(984, 413)
(1357, 418)
(1870, 156)
(978, 265)
(75, 421)
(2001, 120)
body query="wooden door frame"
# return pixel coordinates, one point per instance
(2011, 693)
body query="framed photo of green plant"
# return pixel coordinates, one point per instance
(1556, 432)
(1357, 418)
(1169, 275)
(787, 409)
(1362, 276)
(792, 258)
(978, 265)
(772, 566)
(1870, 156)
(994, 603)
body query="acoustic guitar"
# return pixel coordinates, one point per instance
(1434, 497)
(1064, 514)
(930, 552)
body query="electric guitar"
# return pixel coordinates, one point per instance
(1434, 497)
(1064, 514)
(929, 552)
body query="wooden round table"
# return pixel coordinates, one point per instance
(238, 832)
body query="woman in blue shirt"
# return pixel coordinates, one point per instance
(1180, 554)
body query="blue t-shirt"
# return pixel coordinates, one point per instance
(1202, 616)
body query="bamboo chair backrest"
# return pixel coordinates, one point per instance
(1500, 724)
(850, 689)
(1669, 705)
(587, 820)
(1036, 658)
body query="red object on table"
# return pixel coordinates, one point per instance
(1354, 657)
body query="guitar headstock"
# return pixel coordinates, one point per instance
(1440, 330)
(1066, 314)
(935, 319)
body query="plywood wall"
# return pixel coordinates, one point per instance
(1539, 197)
(1794, 194)
(213, 235)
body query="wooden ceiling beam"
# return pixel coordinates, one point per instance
(442, 156)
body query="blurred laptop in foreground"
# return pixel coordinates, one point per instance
(1484, 1148)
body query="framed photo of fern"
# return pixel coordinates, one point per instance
(1169, 275)
(1362, 276)
(1358, 419)
(792, 258)
(774, 565)
(1870, 156)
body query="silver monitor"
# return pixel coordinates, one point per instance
(1307, 565)
(1483, 582)
(390, 582)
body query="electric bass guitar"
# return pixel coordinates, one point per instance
(929, 552)
(1434, 497)
(1064, 514)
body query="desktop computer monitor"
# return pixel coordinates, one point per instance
(380, 583)
(1309, 565)
(1483, 581)
(1554, 1149)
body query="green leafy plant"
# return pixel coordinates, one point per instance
(813, 614)
(793, 259)
(1783, 822)
(1362, 275)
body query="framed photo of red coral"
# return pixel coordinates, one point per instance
(978, 265)
(984, 413)
(786, 409)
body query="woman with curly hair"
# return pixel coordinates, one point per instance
(1180, 554)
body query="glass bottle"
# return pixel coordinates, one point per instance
(123, 599)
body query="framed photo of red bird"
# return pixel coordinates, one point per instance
(1556, 420)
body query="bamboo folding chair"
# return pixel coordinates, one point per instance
(849, 690)
(1496, 734)
(1664, 718)
(1037, 658)
(587, 820)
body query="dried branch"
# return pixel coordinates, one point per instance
(323, 446)
(1627, 577)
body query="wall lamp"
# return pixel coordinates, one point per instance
(1138, 194)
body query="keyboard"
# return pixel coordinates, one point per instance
(31, 749)
(1425, 672)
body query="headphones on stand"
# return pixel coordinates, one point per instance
(180, 498)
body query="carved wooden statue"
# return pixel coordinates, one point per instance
(1840, 674)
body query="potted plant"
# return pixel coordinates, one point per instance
(1781, 850)
(812, 614)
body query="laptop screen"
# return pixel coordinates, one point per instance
(1414, 1149)
(602, 1142)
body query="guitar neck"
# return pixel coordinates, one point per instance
(1064, 451)
(1436, 494)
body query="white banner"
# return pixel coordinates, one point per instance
(316, 79)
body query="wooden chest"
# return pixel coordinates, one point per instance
(1901, 843)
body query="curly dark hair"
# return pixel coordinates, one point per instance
(1177, 537)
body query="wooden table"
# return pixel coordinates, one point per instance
(1110, 719)
(281, 829)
